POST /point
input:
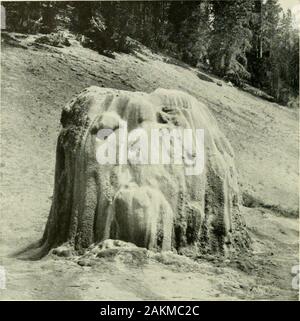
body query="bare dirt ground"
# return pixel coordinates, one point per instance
(36, 83)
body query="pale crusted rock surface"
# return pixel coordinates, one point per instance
(153, 206)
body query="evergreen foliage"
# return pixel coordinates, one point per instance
(245, 41)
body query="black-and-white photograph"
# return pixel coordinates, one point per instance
(149, 151)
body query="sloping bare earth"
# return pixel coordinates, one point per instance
(38, 81)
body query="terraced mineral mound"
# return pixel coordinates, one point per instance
(157, 206)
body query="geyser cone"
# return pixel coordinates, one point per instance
(152, 206)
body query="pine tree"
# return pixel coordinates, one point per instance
(231, 38)
(183, 25)
(22, 16)
(255, 55)
(288, 58)
(32, 16)
(48, 12)
(274, 58)
(194, 34)
(270, 65)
